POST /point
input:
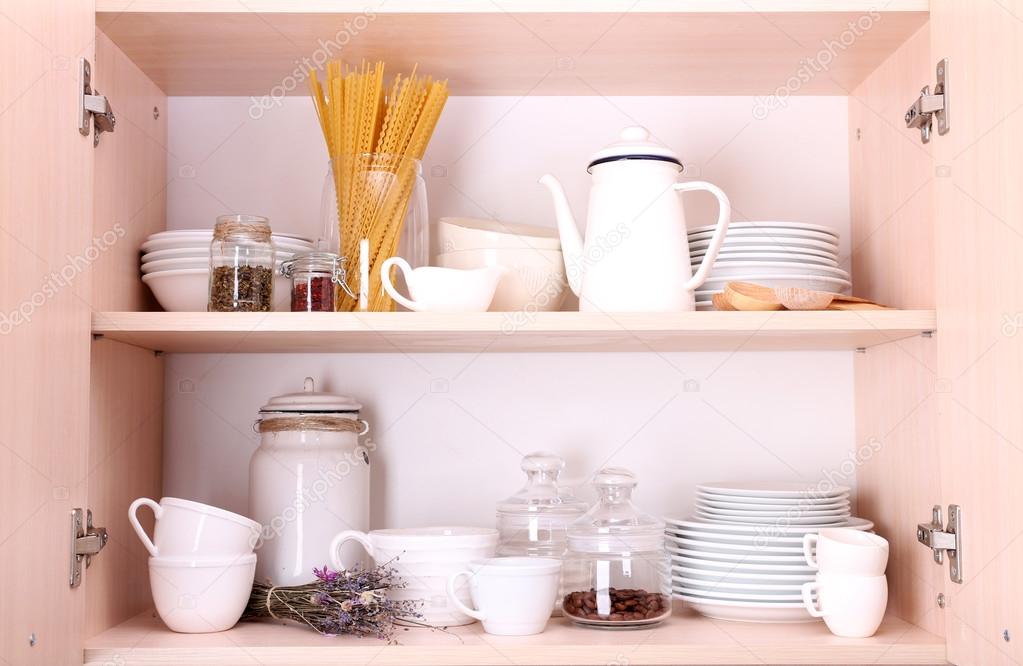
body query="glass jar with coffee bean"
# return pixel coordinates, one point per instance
(241, 265)
(616, 572)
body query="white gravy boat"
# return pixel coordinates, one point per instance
(434, 289)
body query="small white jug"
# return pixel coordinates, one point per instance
(435, 289)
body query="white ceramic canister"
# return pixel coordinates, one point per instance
(308, 480)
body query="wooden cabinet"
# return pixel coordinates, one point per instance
(935, 232)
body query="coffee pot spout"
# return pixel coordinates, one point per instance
(571, 239)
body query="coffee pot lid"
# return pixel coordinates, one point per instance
(635, 143)
(309, 400)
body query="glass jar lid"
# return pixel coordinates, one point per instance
(314, 262)
(309, 400)
(614, 524)
(542, 494)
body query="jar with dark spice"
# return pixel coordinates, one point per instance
(314, 276)
(616, 573)
(241, 265)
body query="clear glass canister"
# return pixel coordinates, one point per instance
(616, 572)
(241, 265)
(314, 276)
(532, 522)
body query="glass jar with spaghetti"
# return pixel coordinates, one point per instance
(241, 265)
(314, 277)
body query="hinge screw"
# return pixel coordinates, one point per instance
(156, 113)
(861, 350)
(941, 600)
(1005, 635)
(32, 639)
(859, 133)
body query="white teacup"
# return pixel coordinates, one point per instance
(852, 606)
(840, 550)
(434, 289)
(197, 596)
(513, 595)
(193, 529)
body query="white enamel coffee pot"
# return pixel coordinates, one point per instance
(636, 254)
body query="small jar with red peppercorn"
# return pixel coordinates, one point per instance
(616, 573)
(314, 276)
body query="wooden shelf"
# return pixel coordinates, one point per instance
(403, 332)
(686, 638)
(532, 47)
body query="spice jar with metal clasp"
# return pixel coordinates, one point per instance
(314, 276)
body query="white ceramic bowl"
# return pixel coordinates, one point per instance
(188, 290)
(180, 263)
(172, 233)
(203, 250)
(535, 279)
(466, 233)
(201, 596)
(203, 242)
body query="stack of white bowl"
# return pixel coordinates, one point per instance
(425, 558)
(535, 280)
(202, 563)
(176, 267)
(773, 254)
(741, 556)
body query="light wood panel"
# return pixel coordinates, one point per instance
(681, 50)
(686, 638)
(891, 175)
(496, 331)
(131, 184)
(518, 7)
(979, 242)
(46, 177)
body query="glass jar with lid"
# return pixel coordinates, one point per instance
(314, 276)
(241, 265)
(532, 522)
(616, 572)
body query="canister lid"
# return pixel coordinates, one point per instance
(310, 400)
(635, 143)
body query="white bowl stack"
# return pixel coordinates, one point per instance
(741, 556)
(773, 254)
(176, 267)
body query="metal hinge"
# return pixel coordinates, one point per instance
(931, 107)
(947, 539)
(93, 108)
(86, 541)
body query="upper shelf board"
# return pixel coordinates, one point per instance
(405, 332)
(564, 47)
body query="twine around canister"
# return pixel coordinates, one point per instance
(258, 231)
(311, 422)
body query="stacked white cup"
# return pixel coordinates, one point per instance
(202, 563)
(850, 586)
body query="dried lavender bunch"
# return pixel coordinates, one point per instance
(339, 602)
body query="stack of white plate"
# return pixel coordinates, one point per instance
(741, 556)
(176, 266)
(774, 254)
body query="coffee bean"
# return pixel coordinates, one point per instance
(625, 605)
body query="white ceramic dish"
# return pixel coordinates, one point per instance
(773, 489)
(820, 521)
(818, 283)
(799, 226)
(775, 235)
(741, 586)
(193, 242)
(728, 258)
(787, 501)
(791, 579)
(187, 290)
(713, 547)
(535, 279)
(465, 233)
(728, 269)
(744, 506)
(747, 539)
(776, 250)
(202, 250)
(201, 596)
(751, 611)
(794, 511)
(741, 567)
(759, 530)
(678, 586)
(729, 558)
(775, 244)
(177, 233)
(198, 262)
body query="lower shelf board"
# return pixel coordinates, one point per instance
(686, 638)
(409, 332)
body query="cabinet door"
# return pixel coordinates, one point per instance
(979, 266)
(46, 247)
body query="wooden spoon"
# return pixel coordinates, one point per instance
(720, 302)
(798, 298)
(749, 296)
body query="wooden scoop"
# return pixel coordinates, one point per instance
(749, 296)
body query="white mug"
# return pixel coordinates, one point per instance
(193, 529)
(435, 289)
(852, 606)
(204, 595)
(840, 550)
(513, 595)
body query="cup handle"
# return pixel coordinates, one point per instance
(724, 216)
(453, 598)
(808, 602)
(341, 538)
(809, 543)
(385, 281)
(134, 520)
